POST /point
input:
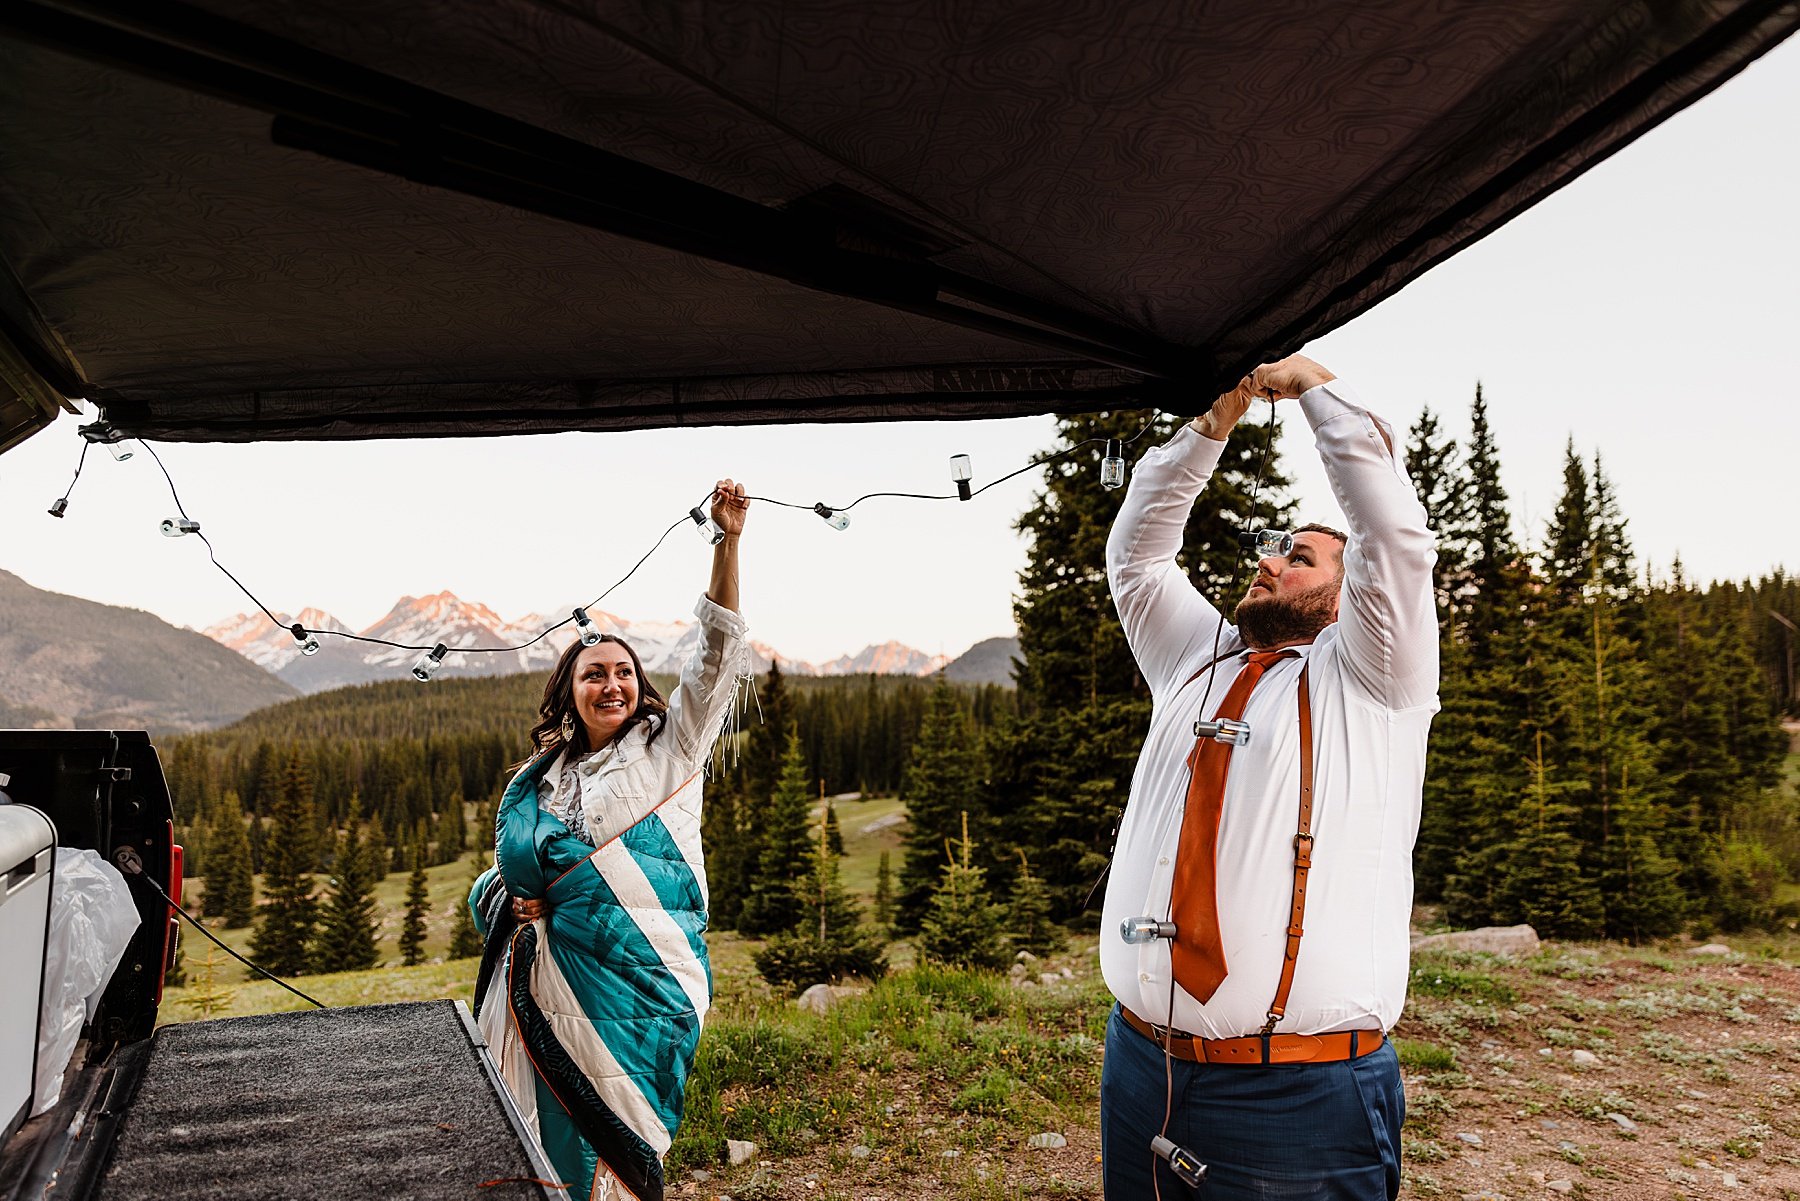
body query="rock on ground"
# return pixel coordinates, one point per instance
(1493, 940)
(739, 1152)
(821, 997)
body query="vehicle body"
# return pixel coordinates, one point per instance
(401, 1096)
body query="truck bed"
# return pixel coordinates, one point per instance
(379, 1101)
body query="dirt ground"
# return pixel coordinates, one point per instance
(1627, 1076)
(1589, 1071)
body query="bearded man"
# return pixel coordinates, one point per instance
(1277, 795)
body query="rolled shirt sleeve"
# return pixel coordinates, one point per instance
(1167, 622)
(1387, 617)
(703, 695)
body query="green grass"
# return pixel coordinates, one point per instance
(1423, 1056)
(862, 851)
(1451, 976)
(1007, 1062)
(446, 887)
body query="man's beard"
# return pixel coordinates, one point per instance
(1270, 620)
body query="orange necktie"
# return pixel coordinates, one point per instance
(1197, 955)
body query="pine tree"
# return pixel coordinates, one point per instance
(1568, 556)
(1058, 775)
(1029, 927)
(465, 939)
(1446, 494)
(412, 926)
(941, 781)
(345, 941)
(290, 911)
(1541, 881)
(771, 905)
(828, 941)
(963, 926)
(884, 893)
(208, 997)
(230, 889)
(727, 857)
(834, 833)
(1495, 568)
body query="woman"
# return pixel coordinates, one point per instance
(595, 977)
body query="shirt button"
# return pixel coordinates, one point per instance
(1164, 860)
(1144, 976)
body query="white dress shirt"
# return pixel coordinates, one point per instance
(1373, 678)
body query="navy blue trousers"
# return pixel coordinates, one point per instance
(1320, 1131)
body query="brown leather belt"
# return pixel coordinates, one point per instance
(1257, 1049)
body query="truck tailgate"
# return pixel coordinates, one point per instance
(378, 1101)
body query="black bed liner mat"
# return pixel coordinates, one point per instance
(379, 1101)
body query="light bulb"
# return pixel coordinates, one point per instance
(429, 662)
(308, 644)
(837, 519)
(1266, 542)
(1112, 467)
(1140, 930)
(590, 634)
(179, 527)
(709, 529)
(59, 506)
(961, 471)
(108, 436)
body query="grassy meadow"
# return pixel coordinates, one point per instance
(1591, 1070)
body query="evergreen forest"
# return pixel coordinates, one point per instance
(1608, 760)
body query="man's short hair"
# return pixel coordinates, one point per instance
(1314, 527)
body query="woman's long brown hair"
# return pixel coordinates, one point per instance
(559, 701)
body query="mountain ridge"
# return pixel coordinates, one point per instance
(66, 661)
(418, 621)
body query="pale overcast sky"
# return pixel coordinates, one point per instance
(1648, 310)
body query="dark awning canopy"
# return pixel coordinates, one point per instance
(259, 220)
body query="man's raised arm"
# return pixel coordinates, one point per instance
(1167, 622)
(1387, 616)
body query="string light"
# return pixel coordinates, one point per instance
(709, 529)
(428, 663)
(960, 472)
(1112, 467)
(108, 435)
(590, 634)
(1265, 543)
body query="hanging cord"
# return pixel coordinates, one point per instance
(1237, 585)
(195, 923)
(1039, 461)
(1237, 580)
(1035, 462)
(60, 505)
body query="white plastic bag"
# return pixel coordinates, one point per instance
(92, 918)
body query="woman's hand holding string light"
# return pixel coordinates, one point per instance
(729, 506)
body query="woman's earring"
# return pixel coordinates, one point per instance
(568, 727)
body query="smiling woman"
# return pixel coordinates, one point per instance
(595, 978)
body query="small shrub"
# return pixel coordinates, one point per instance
(1423, 1056)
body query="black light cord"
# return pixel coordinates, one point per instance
(79, 463)
(1034, 463)
(1237, 580)
(195, 923)
(1041, 461)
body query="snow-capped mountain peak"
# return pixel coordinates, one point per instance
(424, 621)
